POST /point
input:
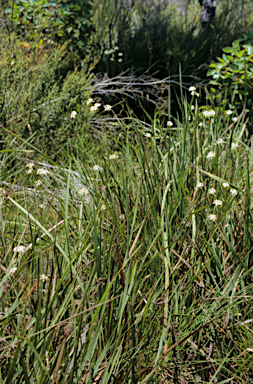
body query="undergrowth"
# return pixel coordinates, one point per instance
(133, 265)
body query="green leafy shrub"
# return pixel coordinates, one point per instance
(234, 70)
(232, 77)
(59, 20)
(38, 95)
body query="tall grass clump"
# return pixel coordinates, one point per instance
(133, 265)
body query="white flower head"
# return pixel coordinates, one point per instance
(2, 192)
(13, 270)
(103, 207)
(234, 118)
(114, 156)
(200, 124)
(73, 114)
(43, 205)
(43, 277)
(122, 217)
(37, 183)
(225, 185)
(147, 134)
(233, 192)
(107, 107)
(234, 146)
(120, 54)
(199, 185)
(229, 112)
(209, 113)
(212, 217)
(89, 101)
(220, 141)
(20, 249)
(83, 191)
(192, 107)
(169, 124)
(192, 88)
(120, 60)
(210, 155)
(97, 168)
(211, 191)
(218, 203)
(95, 107)
(42, 171)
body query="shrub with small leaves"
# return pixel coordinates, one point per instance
(38, 101)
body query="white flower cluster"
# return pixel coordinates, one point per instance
(97, 168)
(210, 113)
(107, 107)
(37, 183)
(19, 249)
(42, 171)
(30, 167)
(199, 185)
(229, 112)
(218, 203)
(110, 51)
(210, 155)
(169, 124)
(234, 146)
(225, 185)
(89, 101)
(212, 217)
(233, 192)
(193, 92)
(73, 114)
(114, 156)
(220, 141)
(212, 191)
(147, 134)
(83, 191)
(13, 270)
(95, 107)
(2, 192)
(43, 278)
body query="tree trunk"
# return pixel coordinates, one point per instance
(208, 8)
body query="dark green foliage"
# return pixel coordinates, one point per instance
(157, 37)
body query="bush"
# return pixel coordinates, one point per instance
(233, 73)
(59, 20)
(37, 95)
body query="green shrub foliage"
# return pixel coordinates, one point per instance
(58, 20)
(232, 74)
(37, 96)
